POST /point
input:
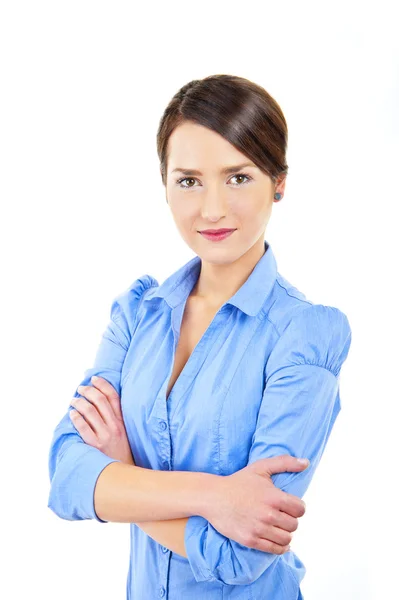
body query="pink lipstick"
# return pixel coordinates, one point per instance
(216, 235)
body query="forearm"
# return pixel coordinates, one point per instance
(130, 494)
(169, 533)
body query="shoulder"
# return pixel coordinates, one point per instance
(125, 306)
(284, 301)
(306, 332)
(313, 334)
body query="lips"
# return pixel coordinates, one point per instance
(216, 235)
(215, 231)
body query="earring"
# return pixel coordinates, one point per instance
(277, 196)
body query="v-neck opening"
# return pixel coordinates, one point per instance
(176, 338)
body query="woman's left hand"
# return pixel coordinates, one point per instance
(102, 426)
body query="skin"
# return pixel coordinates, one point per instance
(244, 506)
(210, 199)
(214, 200)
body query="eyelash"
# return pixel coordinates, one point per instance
(183, 187)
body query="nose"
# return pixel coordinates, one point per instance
(214, 205)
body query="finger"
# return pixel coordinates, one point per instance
(268, 546)
(90, 413)
(285, 521)
(281, 464)
(83, 427)
(292, 505)
(276, 535)
(97, 398)
(274, 517)
(110, 392)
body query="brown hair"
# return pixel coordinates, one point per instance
(236, 108)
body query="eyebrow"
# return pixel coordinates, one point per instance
(225, 170)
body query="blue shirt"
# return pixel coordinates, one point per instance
(262, 381)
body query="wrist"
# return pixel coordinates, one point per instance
(208, 496)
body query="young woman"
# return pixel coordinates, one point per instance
(210, 386)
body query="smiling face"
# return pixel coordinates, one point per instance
(204, 196)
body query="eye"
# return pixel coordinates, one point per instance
(186, 187)
(248, 178)
(179, 182)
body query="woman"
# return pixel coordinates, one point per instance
(210, 386)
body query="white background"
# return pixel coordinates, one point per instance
(83, 86)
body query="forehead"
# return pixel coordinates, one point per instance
(192, 146)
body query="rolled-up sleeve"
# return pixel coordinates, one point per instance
(300, 404)
(75, 466)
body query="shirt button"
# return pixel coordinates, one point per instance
(162, 591)
(162, 426)
(166, 464)
(165, 549)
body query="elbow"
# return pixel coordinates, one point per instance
(73, 475)
(235, 565)
(214, 557)
(55, 504)
(74, 468)
(243, 569)
(60, 502)
(60, 474)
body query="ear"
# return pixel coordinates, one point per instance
(280, 184)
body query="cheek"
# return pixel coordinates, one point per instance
(185, 220)
(185, 213)
(186, 224)
(253, 212)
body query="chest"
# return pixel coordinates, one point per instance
(192, 388)
(195, 322)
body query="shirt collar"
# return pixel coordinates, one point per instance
(249, 298)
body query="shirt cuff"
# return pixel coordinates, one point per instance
(72, 490)
(195, 539)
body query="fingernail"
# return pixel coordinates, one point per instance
(94, 378)
(303, 461)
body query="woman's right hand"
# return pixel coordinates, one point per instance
(252, 511)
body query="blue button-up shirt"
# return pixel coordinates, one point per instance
(262, 381)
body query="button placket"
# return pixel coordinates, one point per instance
(163, 570)
(164, 445)
(196, 360)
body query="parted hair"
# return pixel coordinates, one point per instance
(241, 111)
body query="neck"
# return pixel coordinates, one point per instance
(219, 282)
